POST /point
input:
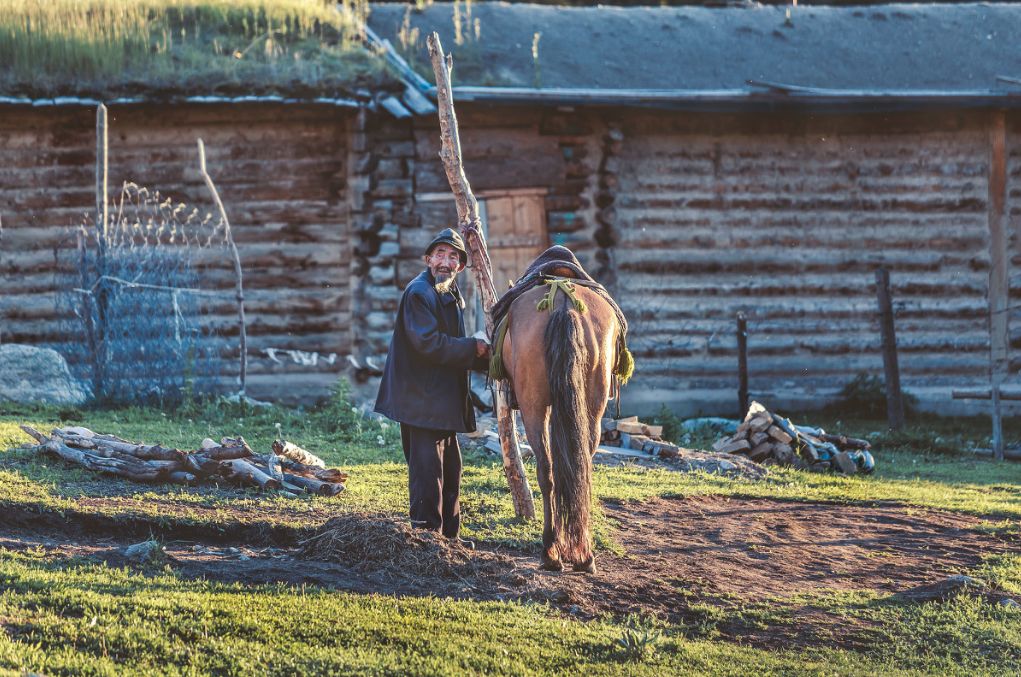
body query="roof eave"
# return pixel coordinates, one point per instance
(742, 99)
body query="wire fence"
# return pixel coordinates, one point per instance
(140, 298)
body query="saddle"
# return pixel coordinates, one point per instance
(560, 269)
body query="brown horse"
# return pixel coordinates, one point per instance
(560, 362)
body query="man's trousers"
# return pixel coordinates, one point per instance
(434, 478)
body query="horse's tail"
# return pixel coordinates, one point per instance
(571, 430)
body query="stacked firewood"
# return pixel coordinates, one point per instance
(769, 438)
(630, 433)
(287, 468)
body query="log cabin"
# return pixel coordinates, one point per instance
(702, 162)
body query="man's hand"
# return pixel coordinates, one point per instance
(482, 349)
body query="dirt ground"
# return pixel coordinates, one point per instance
(681, 554)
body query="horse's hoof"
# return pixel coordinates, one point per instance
(588, 567)
(550, 564)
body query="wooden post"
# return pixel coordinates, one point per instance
(239, 290)
(102, 293)
(998, 272)
(894, 401)
(102, 172)
(471, 228)
(742, 365)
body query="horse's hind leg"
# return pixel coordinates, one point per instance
(535, 430)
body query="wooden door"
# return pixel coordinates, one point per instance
(515, 225)
(516, 234)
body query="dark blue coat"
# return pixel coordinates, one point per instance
(425, 381)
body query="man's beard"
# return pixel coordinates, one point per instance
(444, 282)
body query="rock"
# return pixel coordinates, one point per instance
(146, 551)
(941, 591)
(32, 374)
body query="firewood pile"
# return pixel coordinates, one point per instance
(768, 438)
(287, 468)
(630, 433)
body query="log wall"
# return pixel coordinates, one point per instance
(504, 150)
(786, 218)
(282, 174)
(688, 218)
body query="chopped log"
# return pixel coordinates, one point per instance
(244, 472)
(83, 438)
(627, 419)
(321, 474)
(314, 486)
(846, 442)
(779, 435)
(758, 438)
(761, 451)
(221, 454)
(633, 441)
(783, 454)
(631, 427)
(759, 423)
(735, 447)
(273, 467)
(785, 426)
(296, 453)
(79, 431)
(661, 449)
(236, 442)
(138, 472)
(181, 477)
(845, 463)
(39, 437)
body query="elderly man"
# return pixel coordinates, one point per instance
(425, 384)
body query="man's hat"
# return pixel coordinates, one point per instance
(451, 237)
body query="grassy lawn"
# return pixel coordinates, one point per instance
(64, 616)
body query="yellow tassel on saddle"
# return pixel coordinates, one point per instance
(564, 285)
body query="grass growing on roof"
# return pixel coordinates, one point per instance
(133, 47)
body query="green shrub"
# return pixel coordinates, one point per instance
(864, 396)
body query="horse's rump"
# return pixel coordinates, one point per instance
(560, 362)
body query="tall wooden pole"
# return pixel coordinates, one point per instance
(894, 400)
(102, 172)
(102, 297)
(742, 365)
(239, 287)
(999, 281)
(471, 229)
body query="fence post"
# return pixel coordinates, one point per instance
(742, 365)
(102, 289)
(894, 401)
